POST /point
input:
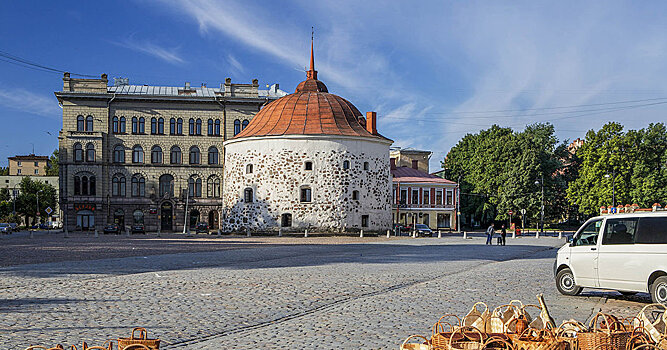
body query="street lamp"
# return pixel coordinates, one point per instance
(613, 186)
(38, 192)
(541, 183)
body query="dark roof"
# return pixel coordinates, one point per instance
(29, 157)
(408, 174)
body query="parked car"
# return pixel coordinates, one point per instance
(112, 228)
(623, 252)
(138, 228)
(423, 230)
(55, 225)
(201, 227)
(5, 228)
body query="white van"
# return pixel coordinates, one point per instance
(623, 252)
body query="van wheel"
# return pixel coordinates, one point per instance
(659, 290)
(565, 283)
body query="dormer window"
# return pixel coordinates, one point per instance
(309, 166)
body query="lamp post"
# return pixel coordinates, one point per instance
(458, 204)
(38, 192)
(541, 183)
(613, 186)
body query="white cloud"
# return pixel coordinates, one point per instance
(26, 101)
(235, 64)
(169, 55)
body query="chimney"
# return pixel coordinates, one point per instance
(415, 164)
(371, 124)
(392, 161)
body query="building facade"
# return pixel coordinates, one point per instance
(422, 198)
(309, 160)
(30, 165)
(142, 154)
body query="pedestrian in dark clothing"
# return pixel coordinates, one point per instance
(489, 234)
(503, 234)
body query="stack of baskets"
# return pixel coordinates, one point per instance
(512, 327)
(136, 341)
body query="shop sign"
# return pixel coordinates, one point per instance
(84, 206)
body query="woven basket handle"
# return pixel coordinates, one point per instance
(136, 346)
(639, 337)
(499, 309)
(462, 330)
(439, 328)
(410, 337)
(474, 307)
(523, 309)
(142, 333)
(97, 348)
(492, 340)
(561, 331)
(459, 322)
(518, 302)
(657, 320)
(35, 347)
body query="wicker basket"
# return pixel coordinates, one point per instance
(466, 338)
(440, 336)
(603, 335)
(567, 333)
(655, 326)
(496, 343)
(136, 343)
(537, 339)
(426, 345)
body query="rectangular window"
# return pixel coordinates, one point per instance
(36, 171)
(36, 164)
(620, 231)
(651, 231)
(404, 196)
(438, 197)
(415, 197)
(364, 221)
(450, 197)
(18, 163)
(427, 195)
(306, 195)
(18, 171)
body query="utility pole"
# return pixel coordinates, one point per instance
(458, 204)
(541, 182)
(187, 200)
(37, 216)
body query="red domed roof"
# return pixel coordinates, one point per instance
(310, 110)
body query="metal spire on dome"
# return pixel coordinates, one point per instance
(312, 73)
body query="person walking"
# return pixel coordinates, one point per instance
(503, 235)
(489, 234)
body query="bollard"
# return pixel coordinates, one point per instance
(514, 235)
(96, 234)
(305, 233)
(361, 234)
(388, 231)
(219, 232)
(537, 234)
(560, 234)
(280, 232)
(32, 234)
(439, 234)
(158, 232)
(247, 232)
(465, 235)
(127, 231)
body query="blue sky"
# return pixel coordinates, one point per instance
(433, 70)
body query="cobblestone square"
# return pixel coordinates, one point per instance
(274, 293)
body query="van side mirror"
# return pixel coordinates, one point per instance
(569, 239)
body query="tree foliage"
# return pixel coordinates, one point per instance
(52, 168)
(26, 202)
(498, 169)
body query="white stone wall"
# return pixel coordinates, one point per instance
(279, 174)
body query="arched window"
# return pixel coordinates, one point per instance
(248, 195)
(194, 187)
(118, 185)
(237, 127)
(191, 127)
(198, 124)
(135, 125)
(210, 127)
(77, 185)
(142, 123)
(138, 186)
(153, 126)
(195, 156)
(346, 164)
(306, 194)
(213, 155)
(244, 124)
(156, 155)
(160, 126)
(137, 154)
(90, 152)
(175, 156)
(217, 127)
(114, 124)
(119, 154)
(179, 126)
(213, 187)
(172, 126)
(78, 152)
(166, 185)
(91, 181)
(89, 123)
(248, 169)
(121, 127)
(84, 184)
(80, 123)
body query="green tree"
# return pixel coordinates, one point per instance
(4, 170)
(52, 168)
(26, 203)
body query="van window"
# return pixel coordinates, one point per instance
(620, 231)
(652, 231)
(588, 235)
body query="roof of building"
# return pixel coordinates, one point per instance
(29, 157)
(198, 91)
(407, 150)
(408, 174)
(310, 110)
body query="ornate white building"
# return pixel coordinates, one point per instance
(308, 159)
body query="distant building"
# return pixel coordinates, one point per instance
(419, 197)
(30, 165)
(405, 156)
(13, 182)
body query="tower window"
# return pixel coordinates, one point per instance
(355, 195)
(248, 195)
(364, 221)
(366, 166)
(248, 169)
(346, 164)
(309, 165)
(306, 195)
